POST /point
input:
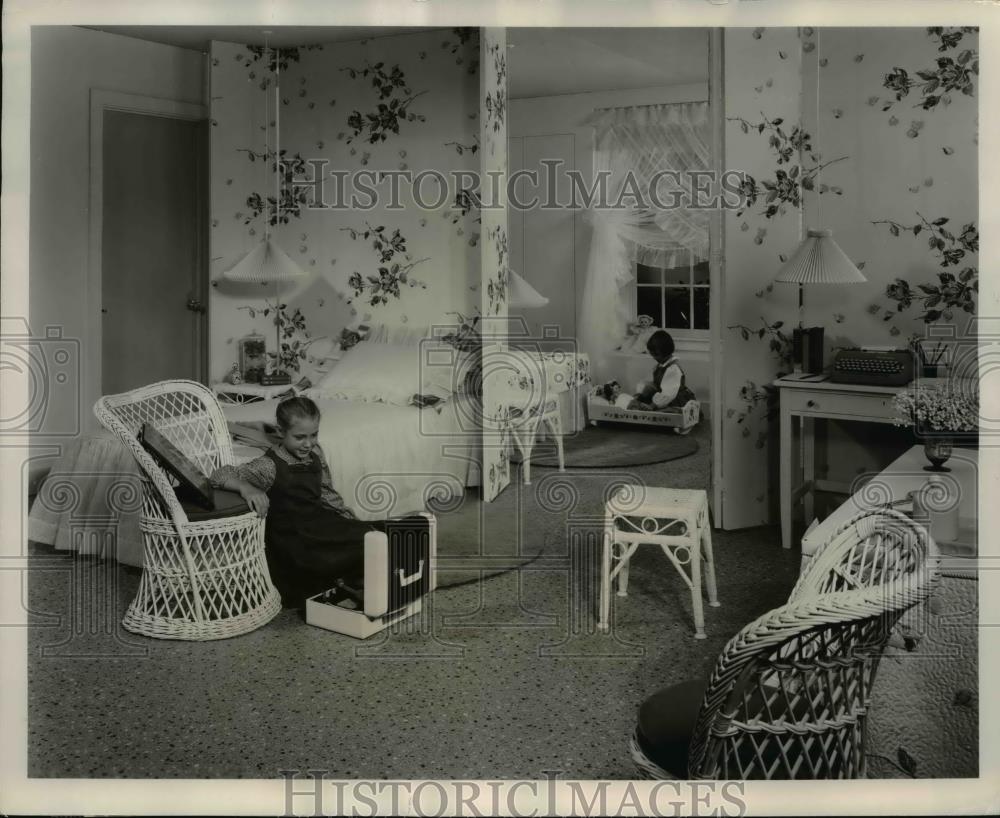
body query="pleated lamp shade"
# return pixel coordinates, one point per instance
(522, 294)
(267, 263)
(819, 260)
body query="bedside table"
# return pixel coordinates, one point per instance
(248, 392)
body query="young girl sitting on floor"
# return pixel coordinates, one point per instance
(312, 539)
(667, 388)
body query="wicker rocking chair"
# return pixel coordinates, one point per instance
(200, 580)
(790, 694)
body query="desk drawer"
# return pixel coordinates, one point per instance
(825, 404)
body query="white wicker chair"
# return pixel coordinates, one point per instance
(790, 694)
(200, 580)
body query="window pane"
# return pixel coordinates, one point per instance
(701, 272)
(648, 275)
(678, 308)
(678, 275)
(701, 300)
(648, 302)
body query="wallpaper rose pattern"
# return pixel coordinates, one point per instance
(496, 366)
(385, 105)
(882, 150)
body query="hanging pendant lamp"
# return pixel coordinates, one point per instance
(522, 294)
(267, 262)
(819, 260)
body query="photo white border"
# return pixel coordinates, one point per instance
(19, 795)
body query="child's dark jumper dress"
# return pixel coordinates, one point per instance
(683, 393)
(310, 545)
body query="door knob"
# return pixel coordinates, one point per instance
(195, 305)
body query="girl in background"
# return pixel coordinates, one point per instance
(667, 388)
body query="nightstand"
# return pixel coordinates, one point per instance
(248, 392)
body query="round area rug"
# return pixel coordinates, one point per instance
(612, 447)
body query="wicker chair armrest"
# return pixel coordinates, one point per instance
(831, 556)
(237, 522)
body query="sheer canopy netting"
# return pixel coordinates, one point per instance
(648, 154)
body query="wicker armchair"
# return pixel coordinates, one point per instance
(200, 580)
(789, 695)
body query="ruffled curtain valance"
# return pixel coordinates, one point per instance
(633, 147)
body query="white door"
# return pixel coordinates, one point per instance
(153, 249)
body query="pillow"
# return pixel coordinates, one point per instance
(388, 373)
(406, 334)
(192, 482)
(225, 504)
(321, 356)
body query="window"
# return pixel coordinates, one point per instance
(676, 297)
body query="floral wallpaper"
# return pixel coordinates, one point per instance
(495, 259)
(869, 132)
(405, 103)
(764, 139)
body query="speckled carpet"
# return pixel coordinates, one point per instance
(504, 678)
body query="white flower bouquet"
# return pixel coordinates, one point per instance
(950, 408)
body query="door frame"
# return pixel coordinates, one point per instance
(101, 101)
(717, 264)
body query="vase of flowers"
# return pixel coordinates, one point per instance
(938, 414)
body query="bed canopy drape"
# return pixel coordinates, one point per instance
(649, 156)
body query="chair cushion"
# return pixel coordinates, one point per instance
(666, 722)
(226, 504)
(174, 461)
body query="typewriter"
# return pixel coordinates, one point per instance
(873, 366)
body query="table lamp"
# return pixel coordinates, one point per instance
(817, 260)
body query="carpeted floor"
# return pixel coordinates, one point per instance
(504, 678)
(613, 445)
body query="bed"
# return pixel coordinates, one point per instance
(399, 427)
(385, 459)
(387, 456)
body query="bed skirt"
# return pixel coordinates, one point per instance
(89, 501)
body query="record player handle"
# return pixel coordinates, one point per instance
(409, 580)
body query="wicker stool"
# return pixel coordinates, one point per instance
(674, 519)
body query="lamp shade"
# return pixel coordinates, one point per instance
(266, 263)
(522, 294)
(819, 260)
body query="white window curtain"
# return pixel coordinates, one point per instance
(632, 145)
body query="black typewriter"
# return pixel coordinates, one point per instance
(873, 366)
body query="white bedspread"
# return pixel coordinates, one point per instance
(389, 460)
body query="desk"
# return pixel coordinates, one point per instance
(903, 475)
(809, 401)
